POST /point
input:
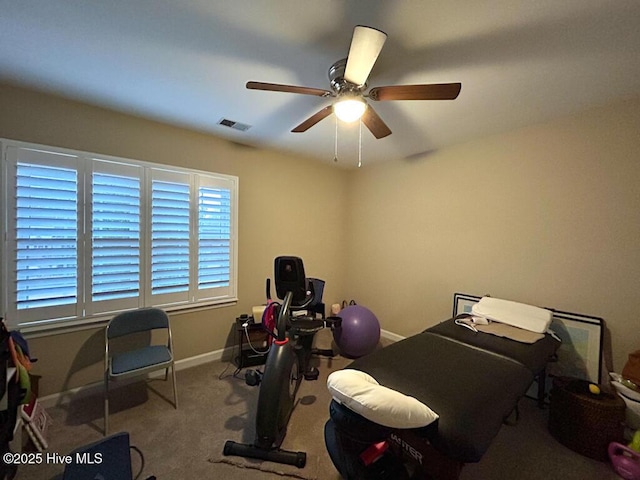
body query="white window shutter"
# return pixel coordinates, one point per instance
(215, 234)
(170, 237)
(43, 245)
(115, 248)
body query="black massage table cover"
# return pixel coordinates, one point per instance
(533, 356)
(472, 380)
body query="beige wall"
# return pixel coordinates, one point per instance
(287, 205)
(548, 215)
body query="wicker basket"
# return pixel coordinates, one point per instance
(584, 422)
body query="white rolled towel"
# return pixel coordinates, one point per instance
(528, 317)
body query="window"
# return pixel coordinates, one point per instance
(87, 236)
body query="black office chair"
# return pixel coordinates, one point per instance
(140, 360)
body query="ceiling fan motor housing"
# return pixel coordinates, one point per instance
(339, 84)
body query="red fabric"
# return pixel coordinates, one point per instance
(269, 320)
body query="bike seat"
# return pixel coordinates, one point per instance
(307, 325)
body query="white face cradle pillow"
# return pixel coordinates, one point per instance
(361, 393)
(516, 314)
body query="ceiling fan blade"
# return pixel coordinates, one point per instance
(374, 123)
(366, 45)
(313, 119)
(434, 91)
(276, 87)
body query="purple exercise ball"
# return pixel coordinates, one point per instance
(359, 333)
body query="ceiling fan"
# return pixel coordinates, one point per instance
(348, 79)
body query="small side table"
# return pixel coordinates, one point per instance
(582, 421)
(258, 339)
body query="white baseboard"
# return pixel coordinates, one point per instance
(202, 358)
(394, 337)
(96, 388)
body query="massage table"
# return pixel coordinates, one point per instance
(470, 379)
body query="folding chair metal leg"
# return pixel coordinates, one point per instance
(175, 390)
(106, 405)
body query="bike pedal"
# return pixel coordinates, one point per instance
(312, 374)
(252, 378)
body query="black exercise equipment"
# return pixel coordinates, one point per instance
(287, 363)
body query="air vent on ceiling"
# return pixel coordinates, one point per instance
(243, 127)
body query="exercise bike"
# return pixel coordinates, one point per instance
(287, 364)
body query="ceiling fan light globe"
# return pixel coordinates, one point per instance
(349, 110)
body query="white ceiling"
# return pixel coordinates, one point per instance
(186, 62)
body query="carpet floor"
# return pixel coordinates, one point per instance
(216, 406)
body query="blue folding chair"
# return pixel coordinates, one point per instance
(139, 360)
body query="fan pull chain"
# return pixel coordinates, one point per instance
(335, 152)
(360, 146)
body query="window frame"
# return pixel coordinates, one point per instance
(86, 312)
